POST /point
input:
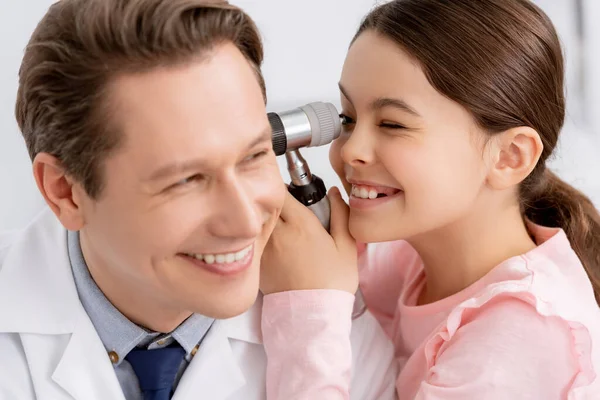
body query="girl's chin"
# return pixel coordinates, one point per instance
(374, 231)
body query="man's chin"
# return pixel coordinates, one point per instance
(227, 301)
(233, 307)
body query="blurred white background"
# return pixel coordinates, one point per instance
(305, 44)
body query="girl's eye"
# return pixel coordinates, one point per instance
(391, 125)
(346, 120)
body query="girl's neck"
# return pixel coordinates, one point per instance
(459, 254)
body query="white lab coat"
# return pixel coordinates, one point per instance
(49, 349)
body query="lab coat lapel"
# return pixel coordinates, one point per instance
(82, 367)
(65, 355)
(216, 372)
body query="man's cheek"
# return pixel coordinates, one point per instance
(270, 190)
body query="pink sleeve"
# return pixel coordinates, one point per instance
(306, 336)
(505, 350)
(383, 269)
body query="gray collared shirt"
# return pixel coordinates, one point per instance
(119, 334)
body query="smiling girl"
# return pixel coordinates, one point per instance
(481, 264)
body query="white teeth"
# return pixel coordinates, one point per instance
(227, 258)
(241, 254)
(364, 193)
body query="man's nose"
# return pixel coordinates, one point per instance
(238, 214)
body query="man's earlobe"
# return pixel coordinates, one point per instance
(516, 153)
(58, 191)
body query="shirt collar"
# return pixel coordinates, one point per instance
(117, 332)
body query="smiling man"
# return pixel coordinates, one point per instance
(146, 124)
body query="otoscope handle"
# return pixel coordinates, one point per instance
(314, 196)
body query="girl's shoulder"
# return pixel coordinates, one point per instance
(533, 301)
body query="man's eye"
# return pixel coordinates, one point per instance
(190, 179)
(256, 156)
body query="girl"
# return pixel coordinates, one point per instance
(481, 263)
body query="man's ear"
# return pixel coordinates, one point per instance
(515, 153)
(58, 190)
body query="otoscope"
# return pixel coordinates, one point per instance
(312, 125)
(315, 124)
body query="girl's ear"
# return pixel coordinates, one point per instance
(514, 153)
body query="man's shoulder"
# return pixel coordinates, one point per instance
(42, 226)
(7, 238)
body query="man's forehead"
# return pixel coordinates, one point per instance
(221, 84)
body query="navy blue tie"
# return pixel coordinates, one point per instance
(156, 370)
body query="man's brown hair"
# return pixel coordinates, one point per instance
(81, 45)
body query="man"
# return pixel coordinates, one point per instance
(146, 124)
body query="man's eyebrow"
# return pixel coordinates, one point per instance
(183, 167)
(176, 168)
(264, 136)
(383, 102)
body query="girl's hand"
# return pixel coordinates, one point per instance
(302, 255)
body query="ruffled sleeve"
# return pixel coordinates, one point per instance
(507, 344)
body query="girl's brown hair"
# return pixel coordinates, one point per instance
(502, 61)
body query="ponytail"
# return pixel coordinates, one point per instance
(557, 204)
(503, 62)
